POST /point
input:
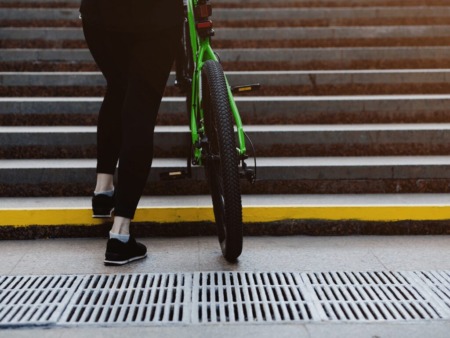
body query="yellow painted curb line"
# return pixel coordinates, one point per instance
(74, 216)
(253, 214)
(342, 213)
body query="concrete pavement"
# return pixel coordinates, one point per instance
(187, 254)
(202, 254)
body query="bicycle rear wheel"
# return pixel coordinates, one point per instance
(222, 160)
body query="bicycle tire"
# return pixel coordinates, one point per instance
(222, 160)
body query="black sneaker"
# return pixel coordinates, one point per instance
(119, 253)
(102, 206)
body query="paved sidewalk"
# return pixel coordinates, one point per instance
(261, 254)
(187, 254)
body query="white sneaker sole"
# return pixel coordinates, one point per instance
(108, 262)
(104, 216)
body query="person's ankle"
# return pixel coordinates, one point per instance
(121, 237)
(105, 182)
(121, 225)
(109, 193)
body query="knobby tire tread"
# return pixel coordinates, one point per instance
(215, 95)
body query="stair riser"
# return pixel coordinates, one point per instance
(22, 145)
(248, 3)
(236, 34)
(255, 38)
(246, 14)
(273, 83)
(266, 110)
(265, 90)
(191, 187)
(253, 55)
(299, 78)
(263, 3)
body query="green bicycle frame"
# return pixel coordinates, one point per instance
(202, 52)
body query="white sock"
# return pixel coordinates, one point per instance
(120, 237)
(109, 193)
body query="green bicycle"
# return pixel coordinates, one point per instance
(213, 113)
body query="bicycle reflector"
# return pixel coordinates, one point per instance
(202, 12)
(204, 28)
(205, 25)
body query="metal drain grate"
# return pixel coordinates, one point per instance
(224, 297)
(134, 298)
(371, 296)
(34, 300)
(249, 297)
(438, 282)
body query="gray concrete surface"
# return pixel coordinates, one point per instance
(266, 78)
(285, 33)
(304, 254)
(73, 171)
(244, 14)
(271, 2)
(325, 330)
(285, 109)
(355, 200)
(169, 137)
(295, 55)
(187, 254)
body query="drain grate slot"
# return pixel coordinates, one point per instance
(34, 300)
(133, 298)
(249, 297)
(370, 296)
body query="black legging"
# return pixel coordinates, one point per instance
(136, 67)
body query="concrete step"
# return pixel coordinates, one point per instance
(258, 34)
(292, 175)
(254, 110)
(339, 56)
(316, 172)
(41, 33)
(257, 209)
(333, 82)
(269, 140)
(271, 3)
(255, 14)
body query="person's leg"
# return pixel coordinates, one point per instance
(105, 182)
(109, 132)
(152, 56)
(140, 112)
(109, 51)
(109, 139)
(130, 136)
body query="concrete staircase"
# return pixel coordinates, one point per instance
(351, 127)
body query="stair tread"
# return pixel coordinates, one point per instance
(249, 128)
(420, 160)
(247, 200)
